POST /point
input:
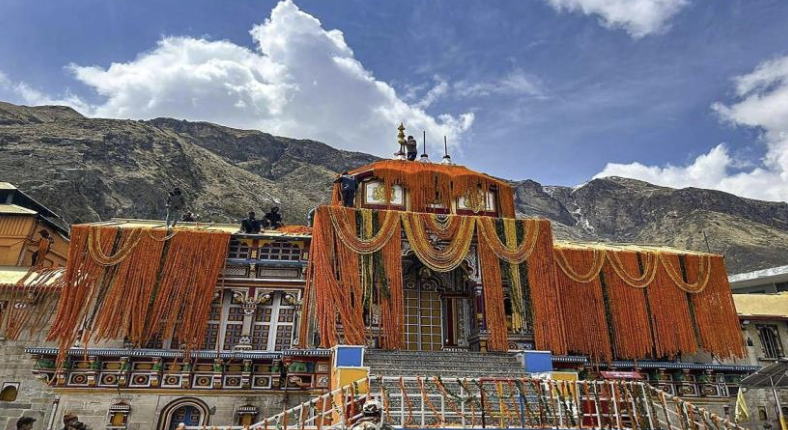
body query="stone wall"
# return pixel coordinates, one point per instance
(36, 399)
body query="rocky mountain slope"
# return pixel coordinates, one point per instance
(94, 169)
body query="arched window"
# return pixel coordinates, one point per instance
(9, 392)
(190, 411)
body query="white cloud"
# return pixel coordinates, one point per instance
(20, 92)
(514, 83)
(762, 103)
(638, 17)
(300, 81)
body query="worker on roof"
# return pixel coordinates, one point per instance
(175, 204)
(251, 225)
(44, 243)
(274, 218)
(348, 185)
(413, 148)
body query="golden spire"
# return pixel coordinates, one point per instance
(400, 155)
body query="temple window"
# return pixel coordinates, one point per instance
(273, 324)
(246, 415)
(118, 416)
(771, 346)
(281, 251)
(214, 323)
(375, 195)
(9, 391)
(238, 249)
(233, 326)
(478, 203)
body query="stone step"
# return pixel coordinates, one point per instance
(440, 369)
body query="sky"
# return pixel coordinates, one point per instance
(675, 92)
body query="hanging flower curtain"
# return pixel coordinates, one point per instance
(444, 260)
(344, 222)
(623, 270)
(510, 251)
(110, 268)
(590, 275)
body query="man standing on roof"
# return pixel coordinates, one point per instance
(175, 204)
(413, 148)
(44, 243)
(348, 185)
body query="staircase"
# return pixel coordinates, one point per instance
(472, 365)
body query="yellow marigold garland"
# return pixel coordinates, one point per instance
(510, 251)
(704, 273)
(438, 260)
(342, 217)
(123, 251)
(650, 266)
(571, 273)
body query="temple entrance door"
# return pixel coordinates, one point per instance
(423, 320)
(188, 415)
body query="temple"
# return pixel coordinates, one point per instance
(145, 326)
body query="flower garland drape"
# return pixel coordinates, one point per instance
(349, 259)
(444, 260)
(583, 303)
(653, 303)
(430, 183)
(32, 302)
(602, 301)
(154, 281)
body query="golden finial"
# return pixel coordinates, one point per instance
(400, 155)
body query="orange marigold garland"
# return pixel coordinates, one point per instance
(444, 260)
(430, 183)
(510, 252)
(393, 304)
(715, 311)
(33, 300)
(494, 314)
(546, 295)
(583, 304)
(670, 314)
(107, 268)
(628, 313)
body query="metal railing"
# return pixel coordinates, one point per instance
(497, 403)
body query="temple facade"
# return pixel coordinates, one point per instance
(146, 327)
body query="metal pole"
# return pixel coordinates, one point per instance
(481, 393)
(777, 402)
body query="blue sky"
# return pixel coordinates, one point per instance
(552, 90)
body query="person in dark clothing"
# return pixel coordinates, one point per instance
(348, 185)
(188, 217)
(251, 225)
(274, 218)
(175, 204)
(25, 423)
(413, 148)
(69, 419)
(77, 425)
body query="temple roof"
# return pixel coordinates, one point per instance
(10, 275)
(299, 231)
(612, 246)
(762, 305)
(416, 167)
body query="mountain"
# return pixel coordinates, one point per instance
(90, 169)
